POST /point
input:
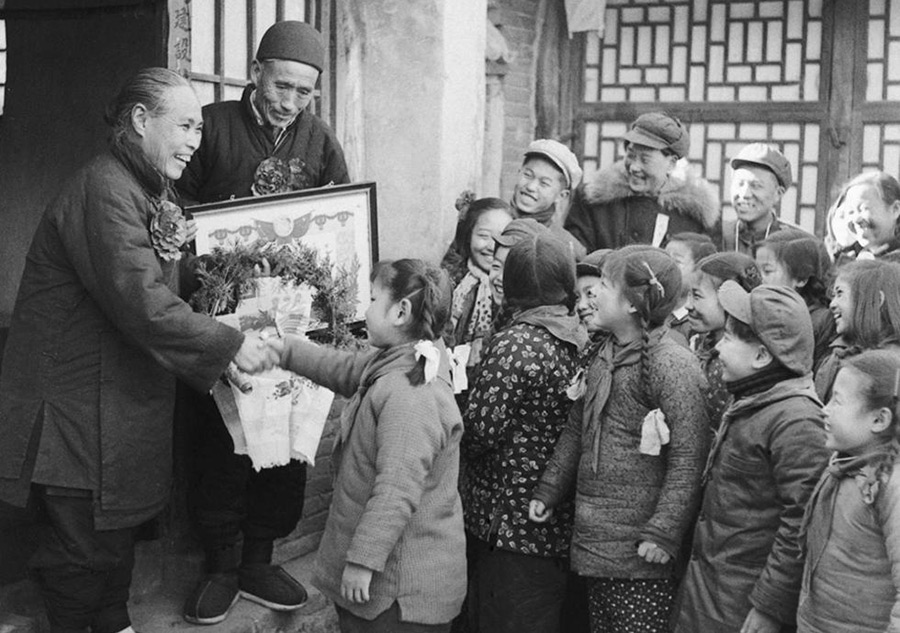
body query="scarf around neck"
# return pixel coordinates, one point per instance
(558, 322)
(545, 217)
(608, 359)
(473, 305)
(863, 468)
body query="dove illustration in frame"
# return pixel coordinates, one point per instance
(339, 222)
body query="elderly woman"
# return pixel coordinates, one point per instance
(97, 339)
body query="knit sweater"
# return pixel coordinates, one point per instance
(632, 496)
(395, 509)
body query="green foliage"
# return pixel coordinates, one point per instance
(227, 275)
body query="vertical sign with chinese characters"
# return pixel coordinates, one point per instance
(180, 36)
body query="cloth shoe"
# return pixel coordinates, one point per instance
(271, 586)
(212, 598)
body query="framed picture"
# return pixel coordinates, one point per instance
(338, 221)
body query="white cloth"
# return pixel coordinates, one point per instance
(432, 355)
(459, 359)
(654, 433)
(275, 416)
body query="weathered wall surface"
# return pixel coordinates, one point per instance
(410, 114)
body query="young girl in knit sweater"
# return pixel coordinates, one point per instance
(851, 579)
(633, 449)
(393, 550)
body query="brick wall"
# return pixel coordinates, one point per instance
(517, 20)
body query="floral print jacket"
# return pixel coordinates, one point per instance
(517, 409)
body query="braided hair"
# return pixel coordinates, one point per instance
(650, 280)
(881, 369)
(427, 288)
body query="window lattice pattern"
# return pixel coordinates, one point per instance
(712, 146)
(883, 71)
(881, 148)
(215, 77)
(706, 50)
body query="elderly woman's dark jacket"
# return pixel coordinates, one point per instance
(97, 338)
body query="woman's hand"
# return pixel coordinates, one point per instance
(355, 583)
(653, 553)
(539, 512)
(255, 356)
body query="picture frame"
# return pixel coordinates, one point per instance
(339, 221)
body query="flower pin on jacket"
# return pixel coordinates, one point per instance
(168, 230)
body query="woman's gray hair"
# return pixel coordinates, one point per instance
(148, 87)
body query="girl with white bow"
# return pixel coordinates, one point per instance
(393, 549)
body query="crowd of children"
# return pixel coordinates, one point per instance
(705, 439)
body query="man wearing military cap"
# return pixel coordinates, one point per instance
(644, 198)
(761, 174)
(269, 131)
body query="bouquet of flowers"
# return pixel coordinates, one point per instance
(276, 416)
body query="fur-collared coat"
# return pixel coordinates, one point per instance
(605, 213)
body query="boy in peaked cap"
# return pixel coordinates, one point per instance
(746, 565)
(548, 175)
(268, 142)
(644, 199)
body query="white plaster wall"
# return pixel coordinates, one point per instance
(411, 112)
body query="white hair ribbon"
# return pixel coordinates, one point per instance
(654, 433)
(459, 358)
(432, 355)
(654, 281)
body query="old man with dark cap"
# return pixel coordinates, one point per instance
(270, 129)
(643, 199)
(268, 142)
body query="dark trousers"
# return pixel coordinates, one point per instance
(516, 593)
(387, 622)
(229, 497)
(84, 574)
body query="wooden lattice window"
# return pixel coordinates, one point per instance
(736, 71)
(881, 139)
(224, 37)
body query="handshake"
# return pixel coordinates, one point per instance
(259, 353)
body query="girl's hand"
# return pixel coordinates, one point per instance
(254, 355)
(355, 583)
(276, 344)
(653, 553)
(759, 622)
(539, 512)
